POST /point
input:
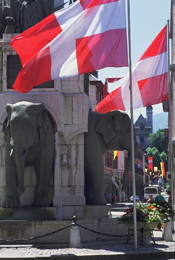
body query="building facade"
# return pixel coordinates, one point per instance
(144, 127)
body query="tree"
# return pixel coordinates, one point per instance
(157, 140)
(157, 148)
(163, 158)
(153, 152)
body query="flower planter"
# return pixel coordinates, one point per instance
(143, 229)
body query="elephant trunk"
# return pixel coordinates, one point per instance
(20, 164)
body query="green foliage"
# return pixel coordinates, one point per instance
(164, 158)
(165, 209)
(155, 154)
(157, 140)
(157, 148)
(145, 213)
(149, 151)
(117, 180)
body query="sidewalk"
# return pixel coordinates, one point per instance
(96, 250)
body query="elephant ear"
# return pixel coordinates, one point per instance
(42, 118)
(109, 124)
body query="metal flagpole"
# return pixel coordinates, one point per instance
(132, 132)
(170, 116)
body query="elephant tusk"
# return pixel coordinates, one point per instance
(11, 152)
(24, 154)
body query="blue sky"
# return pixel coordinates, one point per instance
(147, 17)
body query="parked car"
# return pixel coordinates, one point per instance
(137, 198)
(150, 190)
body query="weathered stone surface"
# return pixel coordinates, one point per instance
(24, 230)
(55, 213)
(28, 213)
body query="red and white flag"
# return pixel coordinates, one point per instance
(149, 80)
(105, 88)
(86, 36)
(112, 80)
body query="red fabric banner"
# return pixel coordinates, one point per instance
(150, 164)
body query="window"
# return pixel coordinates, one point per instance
(141, 139)
(141, 126)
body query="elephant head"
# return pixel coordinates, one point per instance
(110, 131)
(27, 125)
(115, 127)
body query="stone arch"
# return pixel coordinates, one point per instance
(76, 133)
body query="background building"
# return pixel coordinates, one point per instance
(144, 127)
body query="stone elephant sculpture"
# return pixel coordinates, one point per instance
(29, 141)
(110, 131)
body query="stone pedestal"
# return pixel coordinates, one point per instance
(21, 231)
(52, 225)
(55, 213)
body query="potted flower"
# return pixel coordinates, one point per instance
(167, 214)
(165, 210)
(148, 218)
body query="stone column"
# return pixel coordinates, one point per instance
(76, 110)
(72, 172)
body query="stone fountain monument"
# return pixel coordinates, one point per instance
(67, 104)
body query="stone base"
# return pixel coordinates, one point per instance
(28, 213)
(21, 224)
(86, 212)
(16, 231)
(55, 213)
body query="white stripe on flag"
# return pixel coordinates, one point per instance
(87, 24)
(68, 15)
(144, 69)
(113, 10)
(63, 65)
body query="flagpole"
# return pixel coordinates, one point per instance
(170, 116)
(132, 131)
